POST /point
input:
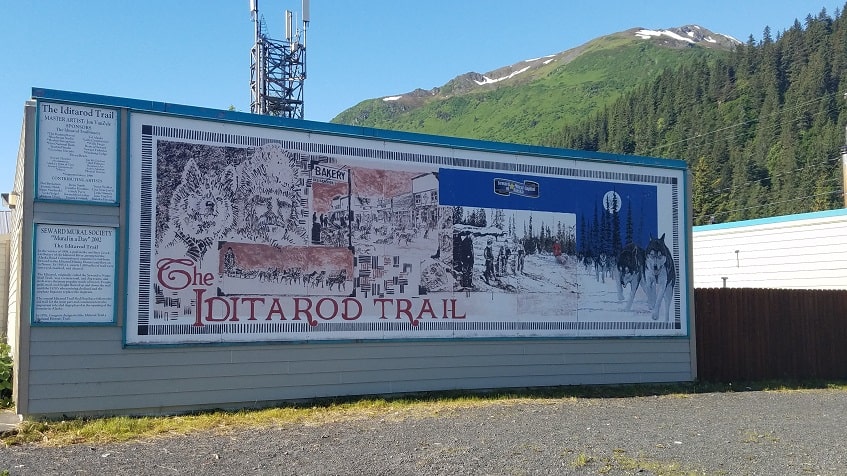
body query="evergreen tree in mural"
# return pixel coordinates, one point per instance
(499, 220)
(458, 215)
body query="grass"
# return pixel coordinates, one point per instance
(620, 461)
(582, 460)
(753, 436)
(318, 412)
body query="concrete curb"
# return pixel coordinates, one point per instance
(9, 421)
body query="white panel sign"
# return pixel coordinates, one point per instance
(77, 153)
(75, 269)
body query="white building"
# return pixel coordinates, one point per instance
(100, 321)
(804, 251)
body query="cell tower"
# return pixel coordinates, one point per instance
(278, 68)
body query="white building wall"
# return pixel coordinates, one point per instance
(804, 251)
(5, 242)
(12, 271)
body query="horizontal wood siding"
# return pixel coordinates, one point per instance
(85, 370)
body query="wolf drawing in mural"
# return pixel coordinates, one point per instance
(659, 276)
(200, 212)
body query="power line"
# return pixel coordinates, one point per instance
(739, 124)
(752, 207)
(782, 112)
(772, 177)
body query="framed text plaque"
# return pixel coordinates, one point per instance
(77, 153)
(75, 274)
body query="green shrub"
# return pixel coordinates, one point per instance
(5, 374)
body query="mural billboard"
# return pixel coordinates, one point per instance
(254, 234)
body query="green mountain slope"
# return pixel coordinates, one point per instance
(760, 124)
(761, 129)
(528, 101)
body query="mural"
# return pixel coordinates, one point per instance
(272, 241)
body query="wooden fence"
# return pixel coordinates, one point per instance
(761, 334)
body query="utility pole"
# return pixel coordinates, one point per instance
(844, 165)
(844, 173)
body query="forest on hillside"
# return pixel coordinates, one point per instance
(761, 129)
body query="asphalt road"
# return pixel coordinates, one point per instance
(801, 432)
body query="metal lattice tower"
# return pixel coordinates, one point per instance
(278, 68)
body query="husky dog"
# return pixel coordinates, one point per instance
(269, 198)
(601, 261)
(630, 266)
(659, 275)
(200, 212)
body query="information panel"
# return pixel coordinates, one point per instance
(242, 234)
(75, 272)
(77, 153)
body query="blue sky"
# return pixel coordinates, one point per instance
(197, 52)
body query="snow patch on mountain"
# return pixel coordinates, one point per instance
(690, 34)
(647, 34)
(532, 60)
(684, 36)
(487, 80)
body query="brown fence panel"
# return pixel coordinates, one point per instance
(760, 334)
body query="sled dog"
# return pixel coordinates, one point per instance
(659, 275)
(630, 266)
(601, 262)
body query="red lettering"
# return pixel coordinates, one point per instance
(201, 279)
(170, 278)
(210, 303)
(198, 312)
(181, 278)
(276, 308)
(320, 306)
(426, 308)
(453, 314)
(252, 301)
(304, 310)
(404, 307)
(381, 302)
(234, 309)
(346, 314)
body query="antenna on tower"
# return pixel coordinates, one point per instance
(278, 67)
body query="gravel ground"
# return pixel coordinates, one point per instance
(762, 433)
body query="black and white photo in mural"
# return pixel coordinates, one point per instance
(565, 247)
(248, 240)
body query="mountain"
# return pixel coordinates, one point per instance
(760, 124)
(761, 129)
(528, 101)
